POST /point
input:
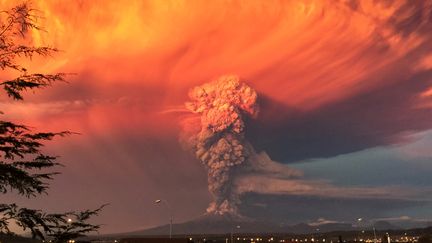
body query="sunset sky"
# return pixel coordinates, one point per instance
(344, 88)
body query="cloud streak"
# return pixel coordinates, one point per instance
(333, 77)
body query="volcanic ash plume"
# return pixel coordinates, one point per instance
(219, 142)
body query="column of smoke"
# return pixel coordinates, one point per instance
(219, 142)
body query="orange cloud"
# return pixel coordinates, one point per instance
(337, 76)
(302, 53)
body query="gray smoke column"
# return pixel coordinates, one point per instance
(219, 142)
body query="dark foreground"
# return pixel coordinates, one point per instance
(421, 235)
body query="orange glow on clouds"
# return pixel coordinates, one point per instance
(334, 77)
(304, 54)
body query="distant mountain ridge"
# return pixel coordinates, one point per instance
(384, 225)
(225, 224)
(211, 224)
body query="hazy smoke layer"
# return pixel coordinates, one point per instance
(219, 143)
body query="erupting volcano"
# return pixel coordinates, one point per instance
(219, 142)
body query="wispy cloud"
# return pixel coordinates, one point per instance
(262, 175)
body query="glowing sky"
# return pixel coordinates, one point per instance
(345, 89)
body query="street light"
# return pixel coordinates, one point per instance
(159, 201)
(232, 232)
(375, 239)
(359, 220)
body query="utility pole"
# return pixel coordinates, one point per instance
(158, 201)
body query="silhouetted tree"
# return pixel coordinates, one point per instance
(23, 164)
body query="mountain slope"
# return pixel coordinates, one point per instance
(217, 224)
